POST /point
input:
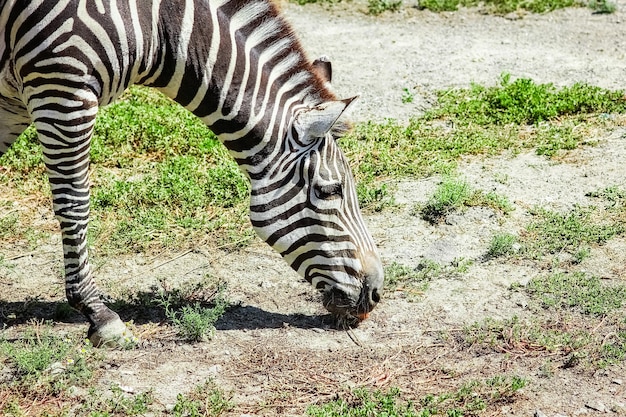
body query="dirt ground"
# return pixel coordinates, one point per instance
(276, 352)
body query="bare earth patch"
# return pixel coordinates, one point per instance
(275, 351)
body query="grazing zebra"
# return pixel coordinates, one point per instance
(237, 66)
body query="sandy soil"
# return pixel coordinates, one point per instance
(276, 352)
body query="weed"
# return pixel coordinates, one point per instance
(195, 322)
(450, 195)
(9, 225)
(206, 400)
(491, 199)
(470, 398)
(376, 7)
(374, 197)
(525, 337)
(407, 96)
(556, 233)
(118, 403)
(499, 6)
(614, 195)
(453, 194)
(602, 6)
(45, 363)
(439, 5)
(402, 276)
(502, 244)
(362, 403)
(577, 290)
(522, 101)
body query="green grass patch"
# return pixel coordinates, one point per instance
(160, 178)
(500, 6)
(470, 398)
(531, 337)
(195, 320)
(522, 101)
(568, 233)
(115, 403)
(43, 364)
(602, 6)
(569, 340)
(206, 400)
(514, 115)
(502, 244)
(415, 280)
(402, 276)
(577, 290)
(453, 194)
(376, 7)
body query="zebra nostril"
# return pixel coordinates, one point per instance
(375, 297)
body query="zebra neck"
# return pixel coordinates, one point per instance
(237, 65)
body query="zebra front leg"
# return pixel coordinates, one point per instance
(66, 155)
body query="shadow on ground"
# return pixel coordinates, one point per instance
(236, 317)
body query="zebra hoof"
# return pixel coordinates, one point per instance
(113, 334)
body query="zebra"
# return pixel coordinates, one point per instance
(235, 64)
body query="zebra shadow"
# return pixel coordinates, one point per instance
(236, 316)
(246, 317)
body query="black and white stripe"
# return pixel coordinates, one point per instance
(236, 65)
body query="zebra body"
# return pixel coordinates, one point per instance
(237, 66)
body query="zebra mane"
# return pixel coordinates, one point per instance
(319, 83)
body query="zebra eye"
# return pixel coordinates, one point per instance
(329, 191)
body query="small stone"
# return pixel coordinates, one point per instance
(56, 368)
(617, 381)
(215, 369)
(539, 413)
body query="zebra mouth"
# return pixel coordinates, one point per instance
(349, 308)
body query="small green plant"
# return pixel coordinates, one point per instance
(363, 403)
(407, 96)
(577, 290)
(118, 403)
(9, 225)
(499, 6)
(525, 336)
(491, 199)
(398, 275)
(614, 195)
(439, 5)
(450, 195)
(206, 400)
(470, 398)
(374, 197)
(195, 322)
(453, 194)
(45, 363)
(559, 233)
(502, 244)
(376, 7)
(602, 6)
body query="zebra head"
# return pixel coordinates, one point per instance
(306, 208)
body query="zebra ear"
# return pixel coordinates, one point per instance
(316, 122)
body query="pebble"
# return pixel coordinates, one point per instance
(539, 413)
(617, 381)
